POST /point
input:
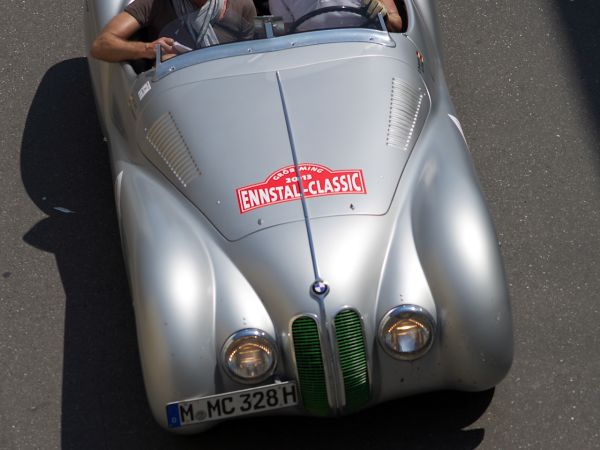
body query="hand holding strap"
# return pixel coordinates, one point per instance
(375, 7)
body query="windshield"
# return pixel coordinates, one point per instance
(208, 26)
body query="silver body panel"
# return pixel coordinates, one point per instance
(200, 270)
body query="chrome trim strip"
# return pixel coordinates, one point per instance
(348, 35)
(340, 385)
(332, 370)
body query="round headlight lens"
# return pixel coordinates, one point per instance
(249, 355)
(406, 332)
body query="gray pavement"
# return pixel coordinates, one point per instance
(525, 79)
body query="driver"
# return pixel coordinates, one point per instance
(113, 44)
(292, 10)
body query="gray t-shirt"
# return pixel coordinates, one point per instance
(292, 10)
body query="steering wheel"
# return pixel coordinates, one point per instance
(317, 12)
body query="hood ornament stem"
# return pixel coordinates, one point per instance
(319, 289)
(300, 185)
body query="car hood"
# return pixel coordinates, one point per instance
(229, 143)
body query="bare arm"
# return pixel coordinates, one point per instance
(113, 44)
(394, 20)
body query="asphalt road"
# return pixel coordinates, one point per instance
(525, 79)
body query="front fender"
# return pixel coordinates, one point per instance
(188, 296)
(457, 246)
(429, 12)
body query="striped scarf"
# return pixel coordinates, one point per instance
(198, 20)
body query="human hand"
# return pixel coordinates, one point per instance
(166, 47)
(374, 7)
(388, 11)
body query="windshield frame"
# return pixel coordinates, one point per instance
(273, 44)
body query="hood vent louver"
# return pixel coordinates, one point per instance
(167, 141)
(405, 106)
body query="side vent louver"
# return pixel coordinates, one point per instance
(405, 105)
(165, 138)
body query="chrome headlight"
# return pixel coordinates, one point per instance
(249, 355)
(406, 332)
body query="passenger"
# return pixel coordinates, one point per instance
(292, 10)
(113, 44)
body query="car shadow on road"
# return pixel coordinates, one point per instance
(65, 169)
(579, 21)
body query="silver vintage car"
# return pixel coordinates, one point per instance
(302, 225)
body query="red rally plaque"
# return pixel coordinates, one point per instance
(283, 185)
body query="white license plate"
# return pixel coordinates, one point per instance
(232, 404)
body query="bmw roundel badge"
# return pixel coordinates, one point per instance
(320, 288)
